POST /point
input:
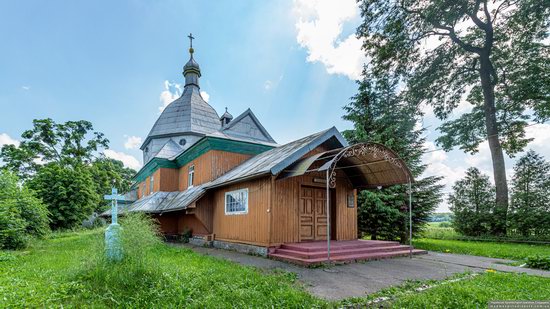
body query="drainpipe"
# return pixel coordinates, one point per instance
(328, 219)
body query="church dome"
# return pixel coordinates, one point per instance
(191, 67)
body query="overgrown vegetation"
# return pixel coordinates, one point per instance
(22, 215)
(68, 269)
(538, 261)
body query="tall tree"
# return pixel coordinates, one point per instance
(107, 172)
(530, 207)
(378, 115)
(473, 203)
(68, 192)
(490, 52)
(71, 143)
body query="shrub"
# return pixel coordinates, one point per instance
(21, 214)
(539, 262)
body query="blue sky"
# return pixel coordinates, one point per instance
(110, 62)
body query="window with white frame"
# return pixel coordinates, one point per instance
(236, 202)
(151, 184)
(191, 176)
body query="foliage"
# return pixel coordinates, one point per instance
(21, 214)
(107, 172)
(459, 291)
(503, 250)
(530, 207)
(473, 204)
(494, 55)
(51, 274)
(441, 217)
(438, 232)
(539, 262)
(71, 143)
(379, 116)
(68, 192)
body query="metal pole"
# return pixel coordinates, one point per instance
(328, 218)
(410, 219)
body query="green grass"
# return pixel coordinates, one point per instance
(61, 271)
(470, 292)
(56, 272)
(513, 251)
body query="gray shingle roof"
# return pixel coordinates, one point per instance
(169, 150)
(188, 113)
(275, 160)
(270, 162)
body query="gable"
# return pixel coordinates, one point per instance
(247, 126)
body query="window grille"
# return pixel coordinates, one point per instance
(236, 202)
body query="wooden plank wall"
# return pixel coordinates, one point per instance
(285, 224)
(251, 228)
(168, 179)
(209, 166)
(203, 211)
(177, 222)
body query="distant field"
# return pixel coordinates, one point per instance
(513, 251)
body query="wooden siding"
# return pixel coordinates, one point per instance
(286, 225)
(210, 166)
(168, 179)
(178, 222)
(251, 228)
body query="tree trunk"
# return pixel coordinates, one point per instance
(497, 155)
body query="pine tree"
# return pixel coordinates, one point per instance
(473, 204)
(530, 207)
(379, 116)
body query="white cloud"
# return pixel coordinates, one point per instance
(128, 160)
(132, 142)
(5, 139)
(26, 88)
(205, 96)
(320, 25)
(171, 92)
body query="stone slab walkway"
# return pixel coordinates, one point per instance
(360, 279)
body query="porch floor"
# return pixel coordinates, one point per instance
(348, 251)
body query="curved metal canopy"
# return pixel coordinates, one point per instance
(367, 165)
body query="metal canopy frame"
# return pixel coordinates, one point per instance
(379, 152)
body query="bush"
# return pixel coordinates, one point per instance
(21, 214)
(539, 262)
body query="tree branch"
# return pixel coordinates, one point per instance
(452, 34)
(475, 19)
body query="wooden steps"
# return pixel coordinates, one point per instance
(314, 253)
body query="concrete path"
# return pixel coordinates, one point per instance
(360, 279)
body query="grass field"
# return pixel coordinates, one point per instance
(513, 251)
(59, 272)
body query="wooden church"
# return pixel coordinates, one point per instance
(229, 183)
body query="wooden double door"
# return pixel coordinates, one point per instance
(313, 214)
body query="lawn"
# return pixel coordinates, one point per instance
(513, 251)
(60, 271)
(474, 292)
(55, 272)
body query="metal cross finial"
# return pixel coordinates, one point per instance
(191, 38)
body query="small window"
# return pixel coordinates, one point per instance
(191, 176)
(236, 202)
(146, 149)
(182, 142)
(143, 193)
(151, 184)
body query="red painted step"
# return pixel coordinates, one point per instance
(338, 252)
(345, 258)
(310, 253)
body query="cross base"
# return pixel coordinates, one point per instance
(113, 244)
